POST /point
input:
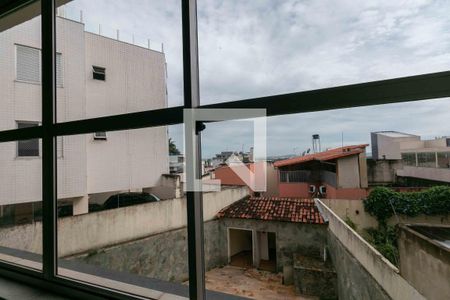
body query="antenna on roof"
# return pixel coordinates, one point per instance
(342, 139)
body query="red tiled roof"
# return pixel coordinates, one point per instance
(274, 209)
(323, 156)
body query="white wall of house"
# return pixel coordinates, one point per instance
(135, 81)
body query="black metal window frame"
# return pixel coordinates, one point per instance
(406, 89)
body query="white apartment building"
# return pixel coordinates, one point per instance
(417, 158)
(96, 76)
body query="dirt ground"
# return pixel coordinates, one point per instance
(250, 283)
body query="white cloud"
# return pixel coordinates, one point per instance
(258, 48)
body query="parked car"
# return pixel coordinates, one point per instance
(129, 199)
(65, 211)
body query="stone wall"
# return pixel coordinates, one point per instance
(162, 256)
(354, 210)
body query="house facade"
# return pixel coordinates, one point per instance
(339, 173)
(96, 76)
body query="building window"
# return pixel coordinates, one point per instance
(443, 159)
(448, 142)
(426, 159)
(27, 148)
(100, 135)
(98, 73)
(28, 64)
(409, 159)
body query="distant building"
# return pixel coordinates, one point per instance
(176, 163)
(339, 173)
(229, 177)
(401, 157)
(222, 157)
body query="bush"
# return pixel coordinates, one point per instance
(384, 239)
(383, 202)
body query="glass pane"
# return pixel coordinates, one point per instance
(409, 159)
(260, 48)
(20, 67)
(426, 159)
(116, 59)
(122, 214)
(258, 241)
(20, 206)
(444, 159)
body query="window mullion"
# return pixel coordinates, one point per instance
(193, 198)
(49, 247)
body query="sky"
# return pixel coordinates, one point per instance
(259, 48)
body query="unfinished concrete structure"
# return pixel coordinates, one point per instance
(425, 259)
(402, 157)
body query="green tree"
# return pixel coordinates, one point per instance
(173, 150)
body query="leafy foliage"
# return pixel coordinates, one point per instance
(173, 150)
(351, 223)
(383, 202)
(384, 239)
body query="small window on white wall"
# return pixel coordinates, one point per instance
(98, 73)
(28, 64)
(27, 148)
(100, 135)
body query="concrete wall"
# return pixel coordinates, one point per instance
(382, 171)
(354, 209)
(348, 172)
(86, 232)
(349, 193)
(425, 264)
(362, 162)
(295, 189)
(290, 237)
(436, 174)
(240, 240)
(361, 259)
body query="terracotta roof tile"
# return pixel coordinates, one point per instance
(274, 209)
(323, 156)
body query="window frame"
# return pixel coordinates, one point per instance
(95, 71)
(405, 89)
(60, 75)
(16, 78)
